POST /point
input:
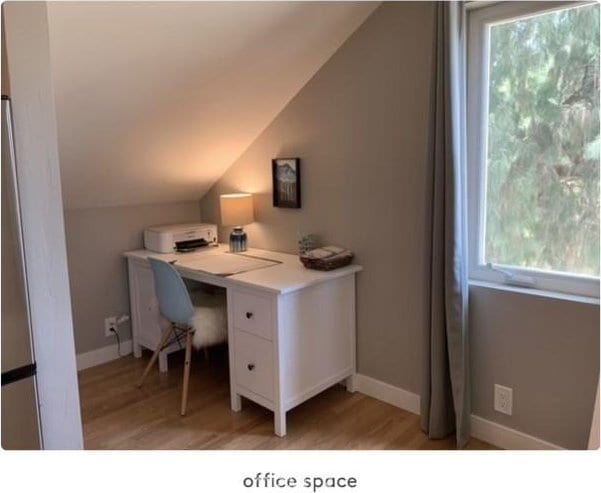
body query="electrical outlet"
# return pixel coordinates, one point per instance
(110, 324)
(503, 399)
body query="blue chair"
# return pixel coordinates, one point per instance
(201, 325)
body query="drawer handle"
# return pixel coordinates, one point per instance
(250, 367)
(249, 314)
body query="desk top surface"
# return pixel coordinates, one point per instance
(287, 276)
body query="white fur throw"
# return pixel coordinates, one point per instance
(209, 319)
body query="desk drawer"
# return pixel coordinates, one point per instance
(253, 358)
(253, 314)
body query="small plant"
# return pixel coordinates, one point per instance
(306, 243)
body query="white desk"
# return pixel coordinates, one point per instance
(291, 331)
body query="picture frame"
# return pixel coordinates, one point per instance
(286, 176)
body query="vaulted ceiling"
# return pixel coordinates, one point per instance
(156, 100)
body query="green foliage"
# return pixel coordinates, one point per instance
(543, 142)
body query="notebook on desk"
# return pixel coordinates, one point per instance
(227, 264)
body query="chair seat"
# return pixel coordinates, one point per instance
(209, 320)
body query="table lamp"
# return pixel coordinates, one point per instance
(236, 210)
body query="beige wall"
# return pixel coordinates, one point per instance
(547, 351)
(4, 76)
(156, 99)
(360, 127)
(96, 238)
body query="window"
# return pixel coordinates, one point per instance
(533, 145)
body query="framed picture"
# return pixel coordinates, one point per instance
(286, 182)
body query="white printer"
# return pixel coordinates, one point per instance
(180, 237)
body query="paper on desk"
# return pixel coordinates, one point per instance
(225, 264)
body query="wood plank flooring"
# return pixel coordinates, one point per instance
(118, 415)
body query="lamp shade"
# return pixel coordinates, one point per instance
(236, 209)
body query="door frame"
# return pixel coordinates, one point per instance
(27, 52)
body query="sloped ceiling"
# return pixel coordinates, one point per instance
(155, 100)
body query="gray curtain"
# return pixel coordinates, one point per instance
(445, 399)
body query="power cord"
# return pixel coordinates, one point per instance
(118, 341)
(119, 321)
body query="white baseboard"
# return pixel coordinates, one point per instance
(507, 438)
(102, 355)
(482, 429)
(388, 393)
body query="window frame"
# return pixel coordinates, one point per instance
(479, 18)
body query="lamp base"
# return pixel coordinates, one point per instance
(238, 240)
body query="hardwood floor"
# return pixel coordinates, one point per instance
(118, 415)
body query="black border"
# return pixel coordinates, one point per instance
(276, 199)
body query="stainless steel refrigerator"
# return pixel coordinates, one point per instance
(20, 417)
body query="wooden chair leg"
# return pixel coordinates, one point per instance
(186, 371)
(157, 351)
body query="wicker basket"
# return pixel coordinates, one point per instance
(329, 263)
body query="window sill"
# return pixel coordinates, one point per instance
(536, 292)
